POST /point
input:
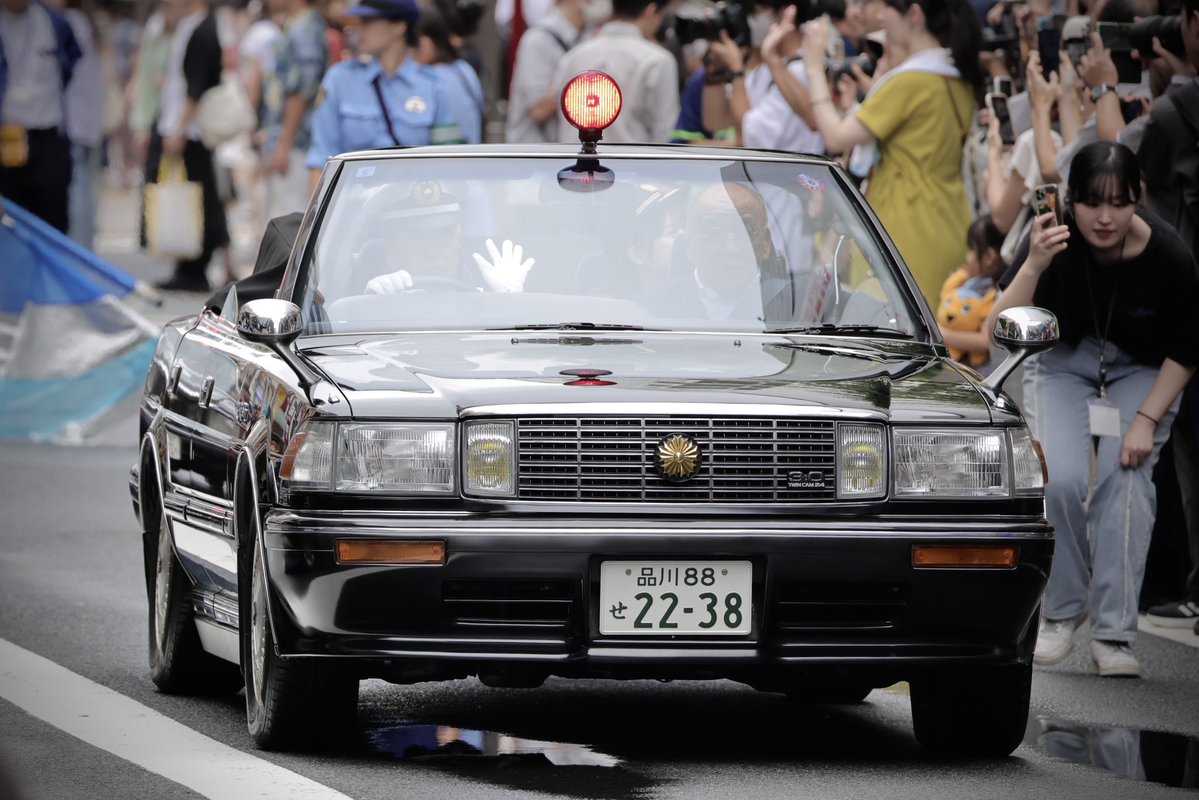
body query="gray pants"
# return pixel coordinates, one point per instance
(1103, 513)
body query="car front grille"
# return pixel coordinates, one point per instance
(611, 459)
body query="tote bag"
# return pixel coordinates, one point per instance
(174, 213)
(224, 112)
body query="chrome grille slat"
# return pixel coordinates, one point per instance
(610, 459)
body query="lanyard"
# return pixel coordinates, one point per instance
(1107, 326)
(383, 107)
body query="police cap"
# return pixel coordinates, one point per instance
(395, 10)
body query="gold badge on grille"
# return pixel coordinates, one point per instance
(677, 457)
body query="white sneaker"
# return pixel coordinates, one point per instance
(1115, 659)
(1055, 640)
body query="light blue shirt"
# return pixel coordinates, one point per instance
(348, 115)
(464, 95)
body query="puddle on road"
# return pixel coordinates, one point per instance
(1153, 756)
(441, 741)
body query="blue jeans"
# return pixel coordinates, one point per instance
(1102, 512)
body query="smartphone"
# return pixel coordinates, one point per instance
(1131, 109)
(1076, 35)
(1049, 44)
(998, 104)
(1001, 86)
(1045, 200)
(1115, 38)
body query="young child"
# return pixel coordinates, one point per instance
(968, 294)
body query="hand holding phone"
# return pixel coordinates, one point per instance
(1045, 201)
(1049, 44)
(997, 103)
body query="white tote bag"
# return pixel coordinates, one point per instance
(224, 112)
(174, 213)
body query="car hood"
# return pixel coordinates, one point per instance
(439, 375)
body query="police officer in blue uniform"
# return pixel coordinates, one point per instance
(385, 98)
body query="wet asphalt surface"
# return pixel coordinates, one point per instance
(70, 590)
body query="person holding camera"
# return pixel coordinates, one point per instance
(767, 103)
(1124, 288)
(647, 73)
(918, 114)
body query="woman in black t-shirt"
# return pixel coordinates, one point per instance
(1126, 293)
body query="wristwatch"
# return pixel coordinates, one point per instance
(1100, 91)
(733, 74)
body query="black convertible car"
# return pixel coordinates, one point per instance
(588, 411)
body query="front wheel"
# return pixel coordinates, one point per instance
(178, 664)
(972, 713)
(291, 703)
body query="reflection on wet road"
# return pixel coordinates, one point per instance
(1139, 755)
(425, 741)
(623, 740)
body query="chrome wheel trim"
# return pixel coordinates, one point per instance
(258, 625)
(162, 584)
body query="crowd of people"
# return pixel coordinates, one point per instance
(955, 118)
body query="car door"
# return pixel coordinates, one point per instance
(222, 415)
(181, 412)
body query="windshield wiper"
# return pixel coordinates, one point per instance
(574, 326)
(829, 329)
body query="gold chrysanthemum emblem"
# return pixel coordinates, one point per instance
(677, 457)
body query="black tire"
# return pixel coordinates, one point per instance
(178, 663)
(291, 703)
(972, 713)
(833, 694)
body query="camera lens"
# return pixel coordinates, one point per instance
(1167, 29)
(729, 17)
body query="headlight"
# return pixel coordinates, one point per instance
(1028, 463)
(489, 458)
(861, 461)
(308, 462)
(405, 458)
(942, 463)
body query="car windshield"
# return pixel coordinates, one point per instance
(513, 243)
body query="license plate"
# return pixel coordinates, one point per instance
(676, 597)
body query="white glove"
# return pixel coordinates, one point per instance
(391, 283)
(505, 272)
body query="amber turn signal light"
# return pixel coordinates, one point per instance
(383, 551)
(949, 555)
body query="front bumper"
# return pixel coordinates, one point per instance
(836, 595)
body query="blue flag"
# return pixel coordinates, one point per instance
(71, 348)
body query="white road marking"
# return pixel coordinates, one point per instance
(122, 726)
(1185, 635)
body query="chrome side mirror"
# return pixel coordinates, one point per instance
(276, 324)
(1021, 331)
(269, 321)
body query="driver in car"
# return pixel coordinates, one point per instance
(423, 247)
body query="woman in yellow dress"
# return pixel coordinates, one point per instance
(918, 114)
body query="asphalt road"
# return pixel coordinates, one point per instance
(71, 591)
